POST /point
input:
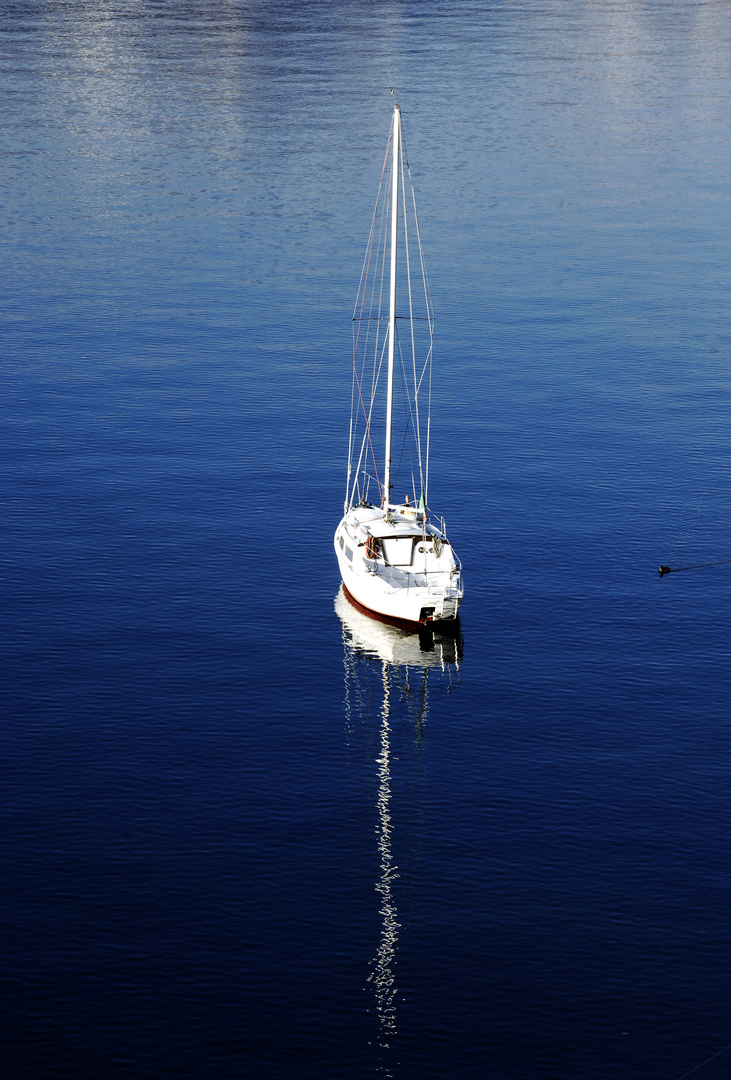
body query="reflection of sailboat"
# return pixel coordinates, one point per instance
(434, 646)
(380, 664)
(382, 975)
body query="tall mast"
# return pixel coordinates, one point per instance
(392, 305)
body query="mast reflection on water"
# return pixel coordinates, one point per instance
(391, 666)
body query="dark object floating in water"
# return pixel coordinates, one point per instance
(696, 566)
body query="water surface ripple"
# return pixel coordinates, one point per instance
(239, 836)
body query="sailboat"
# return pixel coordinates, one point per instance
(396, 561)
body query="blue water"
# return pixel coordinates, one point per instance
(236, 843)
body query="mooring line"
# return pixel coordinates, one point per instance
(718, 1054)
(696, 566)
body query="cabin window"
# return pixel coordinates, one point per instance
(342, 542)
(349, 554)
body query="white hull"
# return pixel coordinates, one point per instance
(426, 585)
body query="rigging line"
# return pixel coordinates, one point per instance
(382, 248)
(428, 440)
(368, 429)
(430, 313)
(718, 1054)
(376, 302)
(363, 281)
(380, 253)
(351, 439)
(423, 370)
(411, 319)
(362, 285)
(425, 278)
(366, 259)
(409, 421)
(362, 292)
(428, 363)
(376, 377)
(350, 445)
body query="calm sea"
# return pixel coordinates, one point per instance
(243, 834)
